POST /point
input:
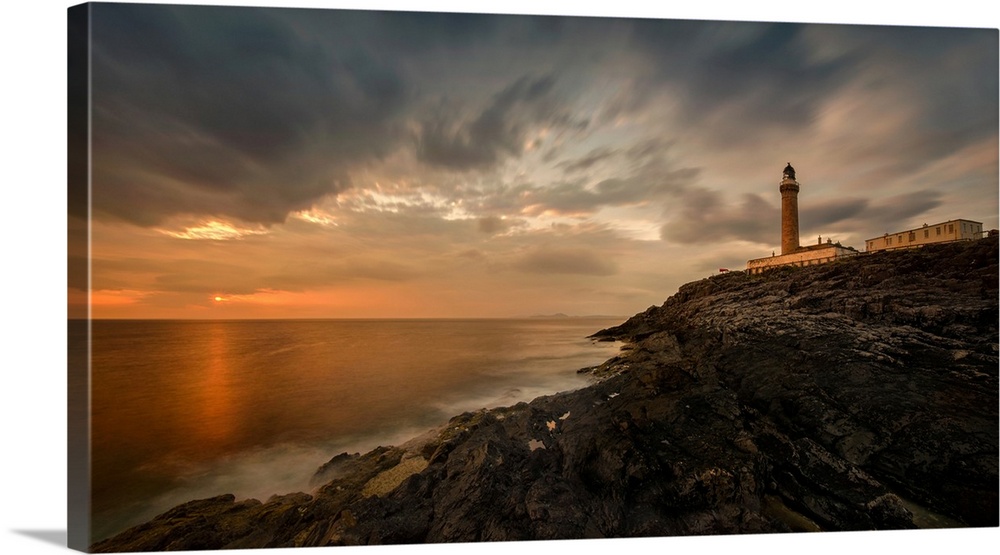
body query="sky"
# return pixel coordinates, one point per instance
(306, 163)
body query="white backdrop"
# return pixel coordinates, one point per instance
(33, 353)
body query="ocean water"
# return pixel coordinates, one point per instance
(184, 410)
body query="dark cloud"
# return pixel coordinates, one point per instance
(954, 90)
(869, 217)
(585, 162)
(900, 210)
(831, 212)
(706, 217)
(738, 82)
(190, 276)
(576, 197)
(649, 151)
(491, 225)
(571, 260)
(301, 276)
(226, 111)
(768, 81)
(778, 80)
(498, 131)
(252, 113)
(413, 31)
(745, 78)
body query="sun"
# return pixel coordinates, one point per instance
(219, 299)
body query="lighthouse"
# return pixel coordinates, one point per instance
(789, 188)
(793, 254)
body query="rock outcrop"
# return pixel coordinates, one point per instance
(857, 395)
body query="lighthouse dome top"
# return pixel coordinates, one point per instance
(789, 171)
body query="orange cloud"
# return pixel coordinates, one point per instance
(215, 230)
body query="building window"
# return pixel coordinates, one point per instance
(951, 228)
(926, 233)
(938, 230)
(912, 237)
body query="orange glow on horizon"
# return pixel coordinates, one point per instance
(120, 297)
(350, 299)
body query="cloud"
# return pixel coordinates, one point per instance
(213, 231)
(901, 209)
(723, 82)
(78, 272)
(779, 82)
(593, 157)
(498, 131)
(193, 117)
(950, 99)
(491, 225)
(832, 211)
(311, 275)
(650, 184)
(706, 217)
(870, 217)
(556, 260)
(226, 112)
(191, 276)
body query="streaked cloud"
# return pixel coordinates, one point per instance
(557, 260)
(214, 230)
(500, 130)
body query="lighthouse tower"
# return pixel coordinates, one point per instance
(789, 211)
(793, 254)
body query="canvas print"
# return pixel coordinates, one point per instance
(348, 277)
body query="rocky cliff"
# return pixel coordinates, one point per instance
(857, 395)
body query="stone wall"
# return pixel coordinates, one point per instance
(807, 256)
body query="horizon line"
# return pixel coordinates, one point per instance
(532, 317)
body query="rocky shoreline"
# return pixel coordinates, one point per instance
(857, 395)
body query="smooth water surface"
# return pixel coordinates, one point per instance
(189, 409)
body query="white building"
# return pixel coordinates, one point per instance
(804, 256)
(952, 230)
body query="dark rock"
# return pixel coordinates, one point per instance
(858, 395)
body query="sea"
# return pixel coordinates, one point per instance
(184, 410)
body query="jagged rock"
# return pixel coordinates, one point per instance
(856, 395)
